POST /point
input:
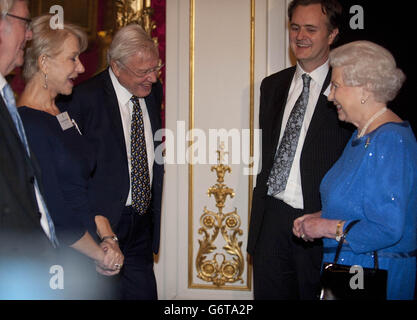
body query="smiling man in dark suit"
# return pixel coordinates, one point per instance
(118, 111)
(301, 139)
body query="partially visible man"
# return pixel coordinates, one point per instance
(27, 233)
(301, 139)
(118, 111)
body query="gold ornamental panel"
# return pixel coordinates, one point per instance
(123, 13)
(219, 270)
(220, 267)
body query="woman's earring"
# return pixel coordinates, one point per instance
(45, 85)
(363, 101)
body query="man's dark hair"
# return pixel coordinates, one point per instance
(331, 8)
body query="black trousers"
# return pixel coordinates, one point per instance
(136, 280)
(285, 267)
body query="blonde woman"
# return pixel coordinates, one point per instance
(52, 64)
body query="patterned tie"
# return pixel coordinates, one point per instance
(284, 156)
(11, 106)
(141, 191)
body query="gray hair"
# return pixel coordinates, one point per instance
(48, 41)
(371, 66)
(6, 5)
(128, 41)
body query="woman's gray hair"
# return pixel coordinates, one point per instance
(128, 41)
(371, 66)
(46, 40)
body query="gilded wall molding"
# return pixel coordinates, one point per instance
(125, 12)
(220, 270)
(221, 276)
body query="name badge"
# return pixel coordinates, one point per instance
(64, 120)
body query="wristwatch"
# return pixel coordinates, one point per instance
(113, 237)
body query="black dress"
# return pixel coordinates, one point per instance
(66, 161)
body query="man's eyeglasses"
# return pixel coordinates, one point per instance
(143, 73)
(26, 20)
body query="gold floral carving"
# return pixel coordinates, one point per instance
(126, 12)
(224, 266)
(135, 11)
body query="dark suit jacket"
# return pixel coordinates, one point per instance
(95, 108)
(324, 143)
(20, 230)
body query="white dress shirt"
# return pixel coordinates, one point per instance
(126, 110)
(293, 194)
(43, 219)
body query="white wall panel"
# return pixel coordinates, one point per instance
(217, 96)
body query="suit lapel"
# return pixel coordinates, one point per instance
(4, 113)
(112, 106)
(18, 153)
(278, 107)
(152, 111)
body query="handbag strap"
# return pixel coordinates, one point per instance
(342, 239)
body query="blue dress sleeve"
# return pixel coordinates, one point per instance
(385, 194)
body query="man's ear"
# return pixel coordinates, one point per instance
(115, 68)
(333, 35)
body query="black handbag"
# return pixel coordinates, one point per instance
(341, 282)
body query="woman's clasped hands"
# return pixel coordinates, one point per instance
(308, 227)
(112, 260)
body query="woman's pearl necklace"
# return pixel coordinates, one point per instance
(373, 118)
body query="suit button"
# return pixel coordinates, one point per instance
(32, 180)
(6, 210)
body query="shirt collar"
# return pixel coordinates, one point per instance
(318, 75)
(123, 95)
(3, 83)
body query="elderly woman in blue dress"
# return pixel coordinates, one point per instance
(375, 180)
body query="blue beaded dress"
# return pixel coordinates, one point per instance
(375, 181)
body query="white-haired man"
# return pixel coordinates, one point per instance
(119, 112)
